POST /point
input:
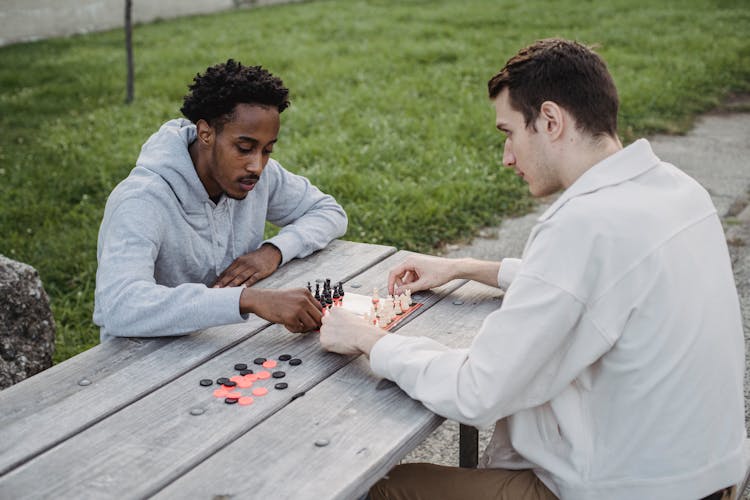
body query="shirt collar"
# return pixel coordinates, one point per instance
(626, 164)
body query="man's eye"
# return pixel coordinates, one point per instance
(267, 151)
(243, 150)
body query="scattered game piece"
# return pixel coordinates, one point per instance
(245, 383)
(221, 393)
(321, 442)
(197, 411)
(84, 382)
(230, 388)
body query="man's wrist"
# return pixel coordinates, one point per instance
(478, 270)
(248, 299)
(273, 250)
(367, 340)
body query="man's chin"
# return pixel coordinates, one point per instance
(237, 196)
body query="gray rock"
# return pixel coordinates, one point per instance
(27, 329)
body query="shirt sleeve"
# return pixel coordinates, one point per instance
(507, 273)
(309, 219)
(524, 354)
(129, 301)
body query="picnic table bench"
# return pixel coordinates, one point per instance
(128, 418)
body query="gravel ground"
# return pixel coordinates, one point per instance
(716, 152)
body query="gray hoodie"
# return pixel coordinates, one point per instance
(163, 242)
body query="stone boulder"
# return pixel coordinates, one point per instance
(27, 329)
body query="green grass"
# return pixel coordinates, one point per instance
(389, 112)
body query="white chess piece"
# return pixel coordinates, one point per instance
(403, 299)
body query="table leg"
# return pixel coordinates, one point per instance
(468, 446)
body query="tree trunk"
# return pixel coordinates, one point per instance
(129, 50)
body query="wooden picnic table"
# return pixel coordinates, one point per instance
(128, 418)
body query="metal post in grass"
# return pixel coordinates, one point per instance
(129, 49)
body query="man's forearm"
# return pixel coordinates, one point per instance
(482, 271)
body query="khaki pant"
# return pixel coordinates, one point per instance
(430, 482)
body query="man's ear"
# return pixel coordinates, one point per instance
(553, 120)
(205, 132)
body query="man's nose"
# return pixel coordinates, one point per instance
(254, 164)
(509, 158)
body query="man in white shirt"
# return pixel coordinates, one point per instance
(614, 368)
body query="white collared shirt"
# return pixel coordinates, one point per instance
(614, 367)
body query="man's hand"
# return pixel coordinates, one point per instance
(295, 308)
(420, 272)
(346, 333)
(250, 268)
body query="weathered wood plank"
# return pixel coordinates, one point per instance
(48, 408)
(154, 440)
(368, 424)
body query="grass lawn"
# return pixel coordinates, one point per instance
(389, 112)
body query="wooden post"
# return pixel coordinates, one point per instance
(129, 50)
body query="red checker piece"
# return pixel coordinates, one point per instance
(269, 364)
(237, 378)
(234, 395)
(260, 391)
(264, 375)
(221, 393)
(245, 383)
(245, 400)
(252, 377)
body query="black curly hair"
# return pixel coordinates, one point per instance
(214, 94)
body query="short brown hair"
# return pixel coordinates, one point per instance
(567, 73)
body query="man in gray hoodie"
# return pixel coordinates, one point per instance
(181, 242)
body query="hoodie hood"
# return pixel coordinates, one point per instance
(166, 155)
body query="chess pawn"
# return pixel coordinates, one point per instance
(397, 307)
(408, 296)
(389, 309)
(382, 321)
